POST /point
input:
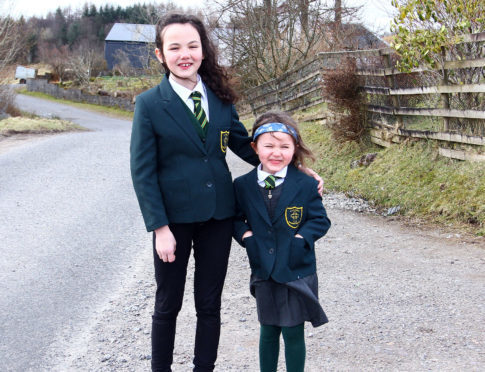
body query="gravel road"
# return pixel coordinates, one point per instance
(399, 297)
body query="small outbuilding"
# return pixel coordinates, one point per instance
(131, 44)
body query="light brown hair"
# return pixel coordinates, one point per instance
(302, 152)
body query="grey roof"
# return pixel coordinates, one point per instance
(132, 32)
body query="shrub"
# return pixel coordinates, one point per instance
(7, 101)
(342, 89)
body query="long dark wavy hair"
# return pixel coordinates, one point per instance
(214, 75)
(302, 152)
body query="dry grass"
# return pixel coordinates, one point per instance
(18, 125)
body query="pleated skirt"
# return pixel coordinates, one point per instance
(288, 304)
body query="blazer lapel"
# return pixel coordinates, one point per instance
(290, 189)
(255, 197)
(215, 110)
(172, 104)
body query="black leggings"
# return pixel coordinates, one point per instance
(211, 242)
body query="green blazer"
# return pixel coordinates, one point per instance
(179, 177)
(273, 250)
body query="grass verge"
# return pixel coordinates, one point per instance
(112, 111)
(412, 176)
(29, 125)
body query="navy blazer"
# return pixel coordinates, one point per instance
(273, 250)
(177, 176)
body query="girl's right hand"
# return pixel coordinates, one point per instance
(247, 234)
(165, 244)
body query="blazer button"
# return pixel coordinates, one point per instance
(206, 160)
(209, 184)
(271, 250)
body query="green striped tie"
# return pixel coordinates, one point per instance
(270, 182)
(198, 110)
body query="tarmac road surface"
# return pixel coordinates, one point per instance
(69, 229)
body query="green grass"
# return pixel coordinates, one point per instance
(125, 83)
(112, 111)
(17, 125)
(423, 123)
(412, 176)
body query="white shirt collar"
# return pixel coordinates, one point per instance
(185, 93)
(262, 175)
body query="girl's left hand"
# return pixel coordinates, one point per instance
(315, 175)
(298, 236)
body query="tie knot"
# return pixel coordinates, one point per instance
(196, 96)
(270, 182)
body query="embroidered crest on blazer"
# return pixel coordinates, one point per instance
(274, 250)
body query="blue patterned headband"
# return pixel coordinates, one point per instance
(275, 127)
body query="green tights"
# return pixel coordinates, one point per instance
(269, 347)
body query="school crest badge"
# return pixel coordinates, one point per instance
(293, 216)
(224, 140)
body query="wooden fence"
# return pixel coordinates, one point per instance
(421, 104)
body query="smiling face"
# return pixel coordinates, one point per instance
(275, 150)
(181, 52)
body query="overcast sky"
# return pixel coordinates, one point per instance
(376, 13)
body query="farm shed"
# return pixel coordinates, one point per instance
(129, 43)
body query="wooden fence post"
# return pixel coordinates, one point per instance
(391, 83)
(445, 97)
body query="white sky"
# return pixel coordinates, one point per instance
(376, 14)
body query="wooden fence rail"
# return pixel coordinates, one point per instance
(391, 115)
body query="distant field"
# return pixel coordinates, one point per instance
(135, 85)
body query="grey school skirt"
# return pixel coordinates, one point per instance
(288, 304)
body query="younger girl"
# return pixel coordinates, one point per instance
(279, 217)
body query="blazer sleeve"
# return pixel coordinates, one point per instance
(239, 140)
(240, 221)
(143, 165)
(316, 223)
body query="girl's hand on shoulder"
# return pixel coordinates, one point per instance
(165, 244)
(315, 175)
(247, 234)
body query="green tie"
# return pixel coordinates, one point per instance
(198, 110)
(270, 182)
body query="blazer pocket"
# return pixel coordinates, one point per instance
(252, 251)
(176, 194)
(300, 255)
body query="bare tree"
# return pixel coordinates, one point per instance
(8, 40)
(84, 63)
(263, 39)
(8, 48)
(57, 58)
